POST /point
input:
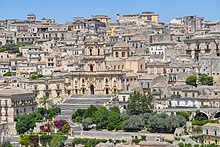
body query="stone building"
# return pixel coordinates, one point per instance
(211, 133)
(202, 45)
(14, 102)
(143, 18)
(93, 79)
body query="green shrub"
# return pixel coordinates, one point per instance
(169, 141)
(89, 142)
(57, 141)
(8, 74)
(203, 122)
(33, 77)
(45, 139)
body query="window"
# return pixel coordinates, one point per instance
(76, 91)
(116, 54)
(98, 51)
(123, 54)
(47, 87)
(123, 98)
(6, 112)
(207, 131)
(90, 51)
(91, 67)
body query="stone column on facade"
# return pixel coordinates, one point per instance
(202, 48)
(193, 53)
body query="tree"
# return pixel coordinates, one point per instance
(163, 123)
(90, 111)
(204, 79)
(86, 123)
(114, 119)
(77, 115)
(52, 112)
(185, 114)
(139, 103)
(43, 101)
(134, 123)
(191, 80)
(24, 139)
(6, 144)
(25, 122)
(100, 117)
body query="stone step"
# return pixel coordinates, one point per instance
(90, 96)
(75, 102)
(85, 101)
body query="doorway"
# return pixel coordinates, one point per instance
(92, 90)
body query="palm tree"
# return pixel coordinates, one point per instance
(43, 101)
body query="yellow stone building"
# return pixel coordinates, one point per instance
(95, 77)
(142, 18)
(211, 132)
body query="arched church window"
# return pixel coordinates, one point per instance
(90, 51)
(123, 54)
(116, 54)
(91, 67)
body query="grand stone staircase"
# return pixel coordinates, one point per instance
(74, 102)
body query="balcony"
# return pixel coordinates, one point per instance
(24, 104)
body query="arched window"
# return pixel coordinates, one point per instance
(91, 67)
(83, 91)
(98, 51)
(123, 54)
(92, 90)
(76, 91)
(90, 51)
(106, 91)
(116, 54)
(197, 46)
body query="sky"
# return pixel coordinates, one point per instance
(66, 10)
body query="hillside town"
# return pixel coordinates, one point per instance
(133, 81)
